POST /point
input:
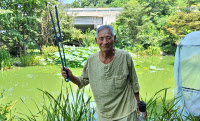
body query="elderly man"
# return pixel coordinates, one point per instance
(112, 77)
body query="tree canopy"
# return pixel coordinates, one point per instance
(142, 25)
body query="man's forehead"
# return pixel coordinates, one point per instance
(105, 31)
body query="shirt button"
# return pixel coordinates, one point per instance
(106, 67)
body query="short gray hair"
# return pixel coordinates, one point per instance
(105, 27)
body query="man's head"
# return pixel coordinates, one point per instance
(105, 38)
(105, 27)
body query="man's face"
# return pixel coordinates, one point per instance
(105, 40)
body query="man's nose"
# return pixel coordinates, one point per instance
(105, 41)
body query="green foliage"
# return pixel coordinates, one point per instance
(76, 35)
(48, 53)
(90, 3)
(5, 109)
(177, 27)
(140, 50)
(29, 60)
(21, 23)
(153, 50)
(129, 23)
(143, 28)
(156, 23)
(181, 24)
(76, 56)
(169, 49)
(118, 3)
(50, 49)
(5, 60)
(32, 46)
(29, 22)
(96, 3)
(65, 107)
(159, 7)
(89, 38)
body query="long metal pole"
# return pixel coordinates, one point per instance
(59, 47)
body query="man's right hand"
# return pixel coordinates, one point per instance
(73, 78)
(64, 73)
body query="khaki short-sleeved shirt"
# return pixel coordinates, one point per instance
(113, 84)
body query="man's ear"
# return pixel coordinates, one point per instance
(95, 39)
(114, 38)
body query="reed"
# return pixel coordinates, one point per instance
(67, 106)
(71, 106)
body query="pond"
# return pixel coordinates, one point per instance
(22, 84)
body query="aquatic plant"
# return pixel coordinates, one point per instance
(75, 56)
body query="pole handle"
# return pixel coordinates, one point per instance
(68, 78)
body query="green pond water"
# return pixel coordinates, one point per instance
(22, 84)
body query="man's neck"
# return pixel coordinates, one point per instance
(107, 57)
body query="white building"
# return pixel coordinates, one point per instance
(93, 17)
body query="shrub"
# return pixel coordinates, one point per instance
(89, 38)
(153, 50)
(50, 49)
(5, 60)
(168, 49)
(29, 60)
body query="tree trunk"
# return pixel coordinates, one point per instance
(24, 48)
(24, 44)
(40, 46)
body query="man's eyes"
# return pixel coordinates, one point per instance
(101, 38)
(107, 38)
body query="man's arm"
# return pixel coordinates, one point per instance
(137, 97)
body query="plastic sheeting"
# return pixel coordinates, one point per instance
(187, 74)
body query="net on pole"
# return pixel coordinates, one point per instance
(187, 74)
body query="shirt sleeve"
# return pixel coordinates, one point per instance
(84, 78)
(133, 75)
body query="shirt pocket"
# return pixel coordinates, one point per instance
(120, 81)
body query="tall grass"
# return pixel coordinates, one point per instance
(165, 110)
(64, 107)
(5, 60)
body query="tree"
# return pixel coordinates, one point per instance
(75, 4)
(90, 3)
(22, 22)
(181, 24)
(118, 3)
(29, 22)
(130, 21)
